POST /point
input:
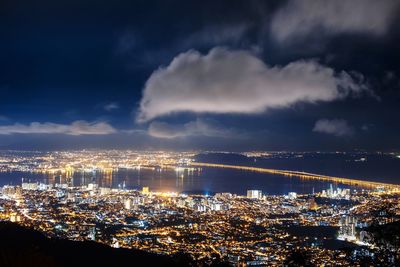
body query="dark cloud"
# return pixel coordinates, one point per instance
(111, 106)
(337, 127)
(75, 128)
(217, 35)
(198, 127)
(300, 19)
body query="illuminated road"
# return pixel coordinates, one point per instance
(301, 175)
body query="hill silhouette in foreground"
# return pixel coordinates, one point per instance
(20, 246)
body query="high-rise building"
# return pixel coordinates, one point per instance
(92, 234)
(254, 194)
(9, 190)
(347, 228)
(128, 203)
(339, 193)
(92, 186)
(29, 186)
(105, 190)
(15, 217)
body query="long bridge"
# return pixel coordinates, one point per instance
(302, 175)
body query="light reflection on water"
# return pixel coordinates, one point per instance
(209, 180)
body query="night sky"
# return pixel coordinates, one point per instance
(211, 75)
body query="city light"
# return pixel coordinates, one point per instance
(232, 226)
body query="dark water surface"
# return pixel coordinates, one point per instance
(377, 167)
(207, 180)
(374, 167)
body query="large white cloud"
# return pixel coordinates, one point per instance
(225, 81)
(301, 18)
(338, 127)
(75, 128)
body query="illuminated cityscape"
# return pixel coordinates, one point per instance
(253, 228)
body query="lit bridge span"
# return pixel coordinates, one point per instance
(302, 175)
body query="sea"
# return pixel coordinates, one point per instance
(206, 180)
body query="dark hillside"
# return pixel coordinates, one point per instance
(23, 247)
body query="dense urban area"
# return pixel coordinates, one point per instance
(337, 226)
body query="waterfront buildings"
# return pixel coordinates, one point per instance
(254, 194)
